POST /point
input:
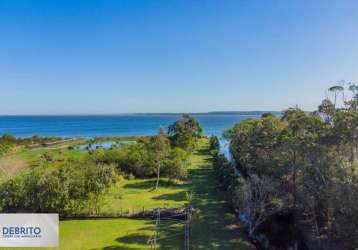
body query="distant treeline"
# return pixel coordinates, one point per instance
(255, 113)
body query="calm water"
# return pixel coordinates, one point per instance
(110, 125)
(105, 145)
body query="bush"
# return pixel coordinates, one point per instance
(214, 145)
(65, 188)
(175, 167)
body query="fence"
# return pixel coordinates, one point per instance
(182, 219)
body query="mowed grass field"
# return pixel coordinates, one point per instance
(104, 234)
(213, 225)
(133, 196)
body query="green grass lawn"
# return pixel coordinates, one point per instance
(104, 234)
(213, 225)
(132, 196)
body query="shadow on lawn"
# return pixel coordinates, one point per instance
(134, 238)
(203, 151)
(150, 184)
(179, 196)
(113, 247)
(118, 248)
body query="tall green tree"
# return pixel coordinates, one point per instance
(160, 146)
(336, 90)
(185, 132)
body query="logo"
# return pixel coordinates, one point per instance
(17, 232)
(29, 230)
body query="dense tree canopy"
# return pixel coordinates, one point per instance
(64, 188)
(185, 132)
(304, 161)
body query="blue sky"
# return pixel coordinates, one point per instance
(69, 57)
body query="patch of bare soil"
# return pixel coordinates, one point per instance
(11, 165)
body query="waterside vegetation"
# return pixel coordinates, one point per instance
(295, 178)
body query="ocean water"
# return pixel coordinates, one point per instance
(111, 125)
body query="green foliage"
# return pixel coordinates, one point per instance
(130, 159)
(310, 160)
(148, 158)
(8, 138)
(8, 142)
(185, 132)
(159, 146)
(64, 188)
(189, 196)
(140, 160)
(214, 145)
(225, 174)
(159, 149)
(175, 167)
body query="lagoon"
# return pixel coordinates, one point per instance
(103, 145)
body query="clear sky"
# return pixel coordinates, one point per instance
(68, 57)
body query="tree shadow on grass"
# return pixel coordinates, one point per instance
(180, 196)
(133, 239)
(117, 248)
(114, 247)
(147, 184)
(150, 184)
(203, 151)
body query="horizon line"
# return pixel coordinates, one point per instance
(148, 113)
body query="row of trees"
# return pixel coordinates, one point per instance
(226, 175)
(303, 161)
